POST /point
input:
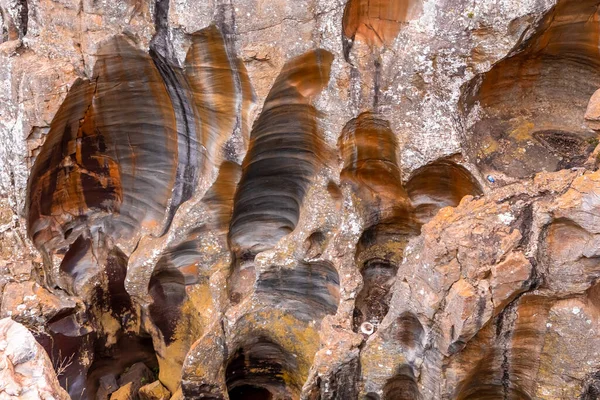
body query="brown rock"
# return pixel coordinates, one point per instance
(521, 134)
(125, 392)
(378, 21)
(369, 150)
(508, 279)
(154, 391)
(29, 302)
(290, 97)
(459, 227)
(467, 308)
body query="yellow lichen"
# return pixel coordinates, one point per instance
(522, 131)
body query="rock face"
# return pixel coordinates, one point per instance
(322, 199)
(154, 391)
(26, 371)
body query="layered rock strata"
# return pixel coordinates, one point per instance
(300, 200)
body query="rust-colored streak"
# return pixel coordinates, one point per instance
(481, 364)
(221, 89)
(573, 31)
(377, 22)
(369, 150)
(219, 198)
(545, 89)
(135, 113)
(111, 154)
(571, 35)
(71, 175)
(440, 184)
(284, 154)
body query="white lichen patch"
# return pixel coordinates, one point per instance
(506, 218)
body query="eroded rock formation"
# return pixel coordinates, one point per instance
(321, 199)
(531, 102)
(25, 368)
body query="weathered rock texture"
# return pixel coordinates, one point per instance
(314, 199)
(26, 371)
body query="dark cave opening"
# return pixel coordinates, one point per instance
(250, 392)
(402, 386)
(118, 358)
(258, 369)
(167, 289)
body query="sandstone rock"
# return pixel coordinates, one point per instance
(154, 391)
(125, 392)
(21, 271)
(322, 199)
(515, 270)
(25, 369)
(30, 303)
(592, 114)
(132, 380)
(553, 142)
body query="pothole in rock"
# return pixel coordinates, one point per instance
(530, 107)
(372, 303)
(440, 184)
(284, 154)
(309, 291)
(258, 370)
(402, 386)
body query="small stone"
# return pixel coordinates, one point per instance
(154, 391)
(124, 393)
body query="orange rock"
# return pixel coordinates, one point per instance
(378, 21)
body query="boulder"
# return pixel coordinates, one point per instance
(26, 371)
(154, 391)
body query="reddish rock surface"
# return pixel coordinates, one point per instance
(284, 199)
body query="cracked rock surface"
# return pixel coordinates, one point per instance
(300, 199)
